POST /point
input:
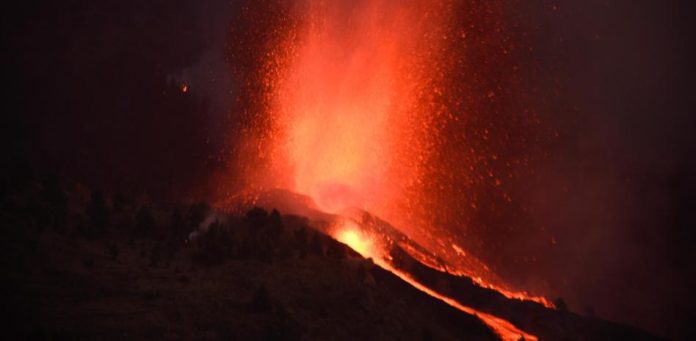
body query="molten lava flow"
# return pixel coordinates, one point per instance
(349, 233)
(469, 273)
(506, 330)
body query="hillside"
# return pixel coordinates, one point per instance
(83, 265)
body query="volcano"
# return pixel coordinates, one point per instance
(348, 169)
(115, 270)
(511, 315)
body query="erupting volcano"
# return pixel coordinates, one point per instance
(348, 170)
(356, 100)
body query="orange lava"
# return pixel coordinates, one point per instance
(353, 237)
(348, 103)
(350, 234)
(506, 330)
(476, 277)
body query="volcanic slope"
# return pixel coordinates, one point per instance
(80, 264)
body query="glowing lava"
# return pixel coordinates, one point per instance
(348, 104)
(352, 237)
(349, 233)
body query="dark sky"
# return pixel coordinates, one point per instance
(619, 191)
(92, 92)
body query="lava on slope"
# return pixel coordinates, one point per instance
(376, 239)
(371, 237)
(371, 242)
(508, 315)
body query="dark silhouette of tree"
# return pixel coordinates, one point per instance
(427, 334)
(176, 235)
(560, 304)
(145, 223)
(56, 211)
(275, 226)
(301, 240)
(315, 244)
(98, 212)
(257, 217)
(261, 301)
(197, 213)
(155, 255)
(178, 228)
(335, 249)
(119, 202)
(114, 251)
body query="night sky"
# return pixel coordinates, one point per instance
(93, 93)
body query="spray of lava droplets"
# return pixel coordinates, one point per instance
(344, 105)
(364, 104)
(346, 115)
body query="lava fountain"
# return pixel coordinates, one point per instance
(347, 102)
(351, 128)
